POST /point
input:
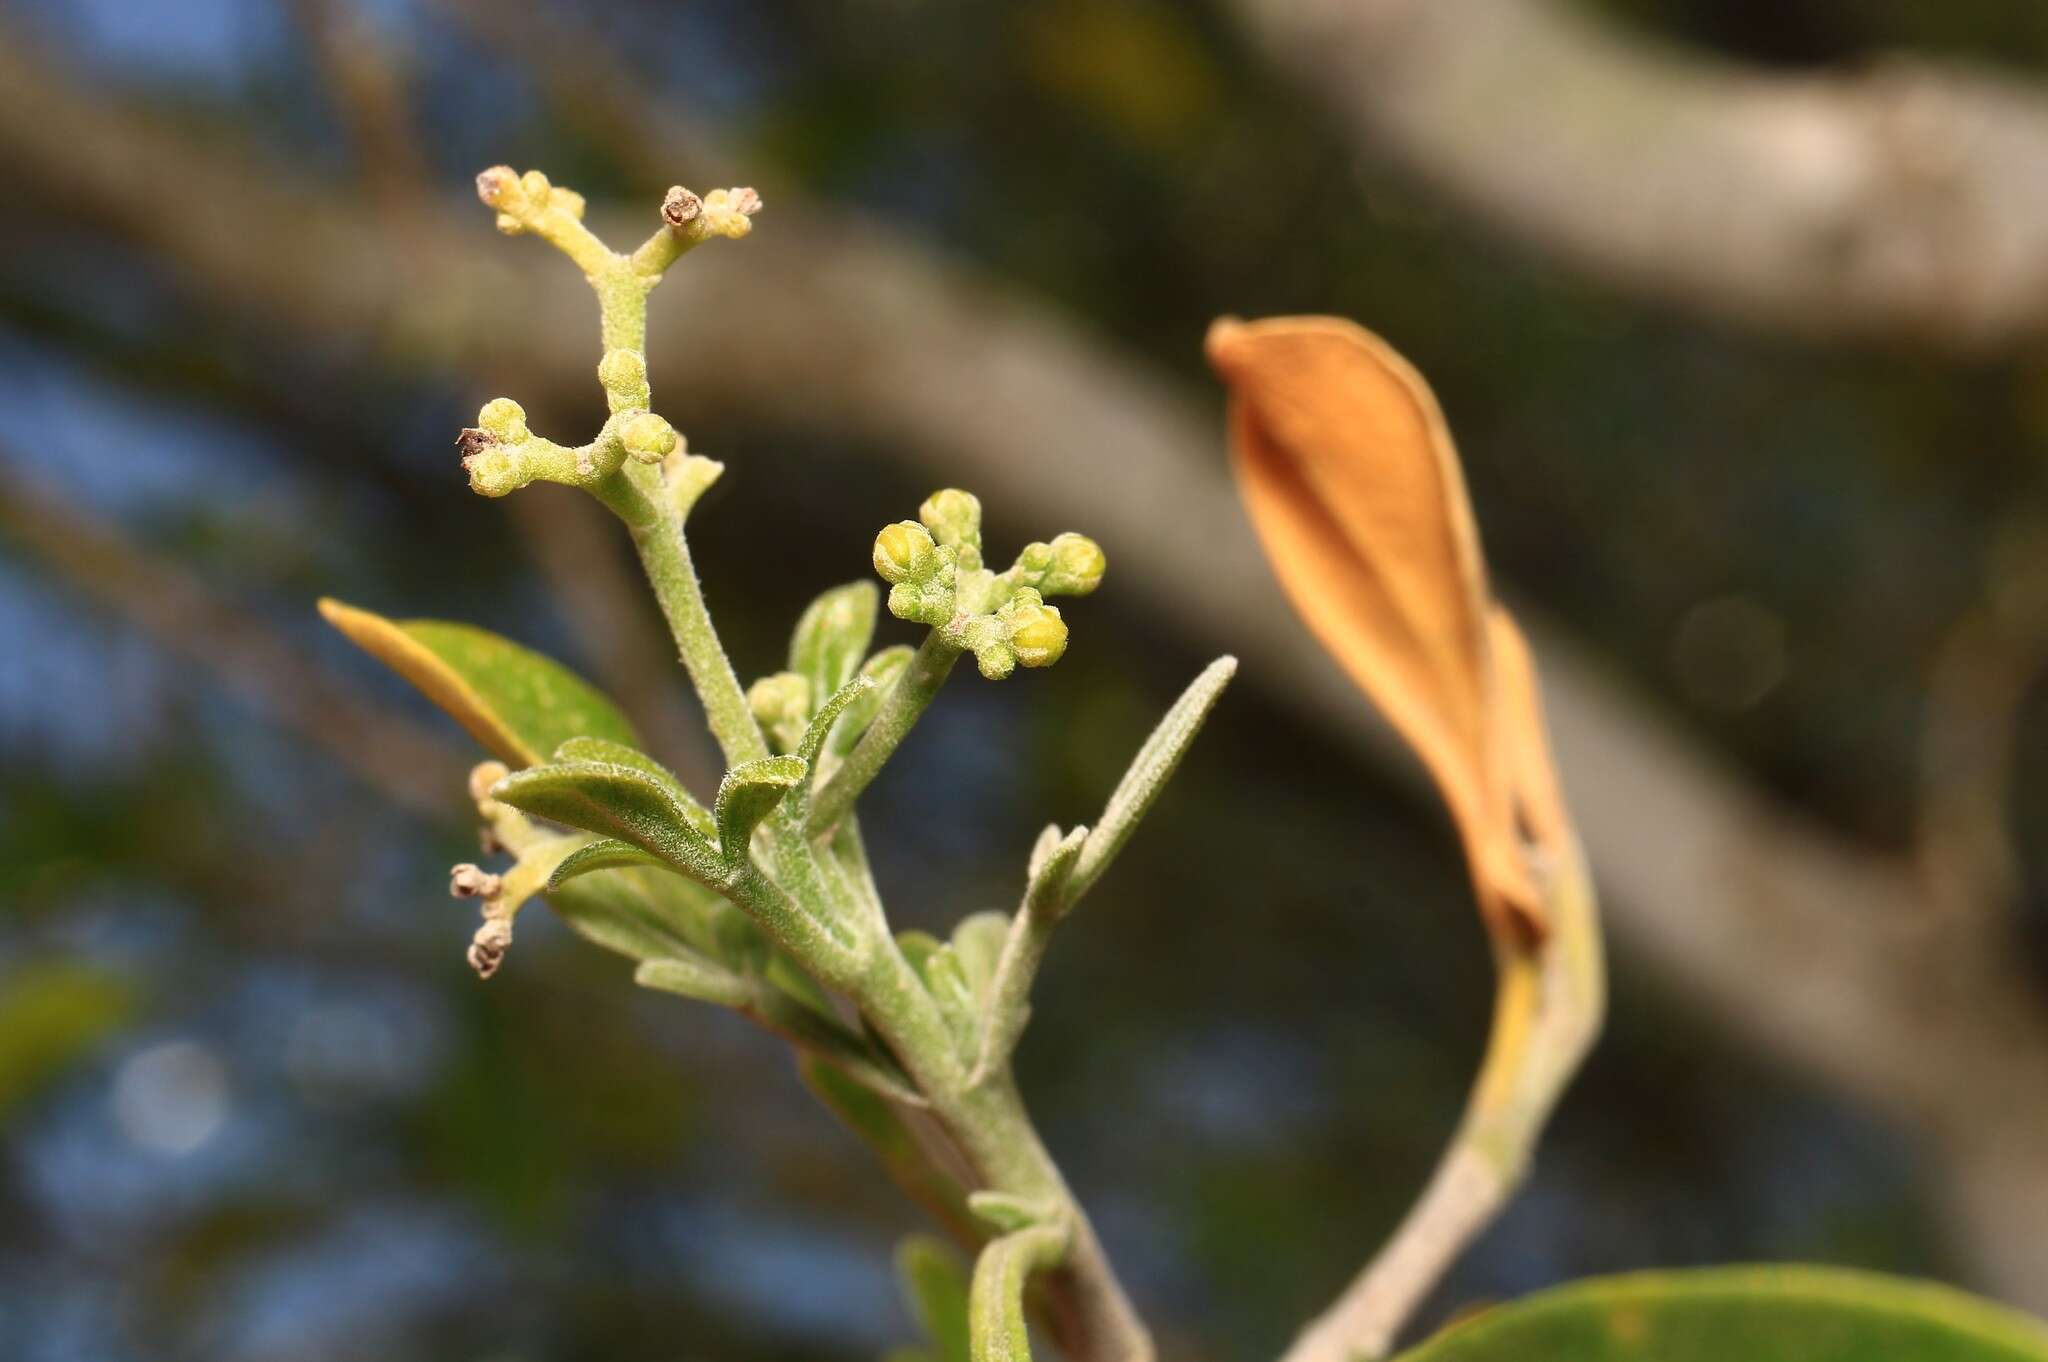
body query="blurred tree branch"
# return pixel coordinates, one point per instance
(1907, 199)
(265, 670)
(1816, 950)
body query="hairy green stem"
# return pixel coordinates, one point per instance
(905, 705)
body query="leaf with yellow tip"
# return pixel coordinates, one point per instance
(517, 703)
(1348, 470)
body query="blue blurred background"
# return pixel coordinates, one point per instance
(254, 1106)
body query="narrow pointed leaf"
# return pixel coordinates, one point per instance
(614, 801)
(517, 703)
(1053, 887)
(832, 636)
(1750, 1314)
(1148, 774)
(748, 794)
(829, 714)
(620, 911)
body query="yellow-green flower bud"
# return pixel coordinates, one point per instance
(954, 518)
(1037, 633)
(504, 419)
(536, 187)
(903, 551)
(1077, 566)
(647, 437)
(624, 375)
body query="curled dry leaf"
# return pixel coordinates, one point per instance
(1348, 471)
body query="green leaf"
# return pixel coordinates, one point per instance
(1148, 774)
(606, 853)
(828, 714)
(692, 976)
(619, 754)
(1053, 866)
(934, 1283)
(51, 1015)
(1007, 1213)
(832, 636)
(884, 669)
(1743, 1314)
(881, 1126)
(978, 941)
(642, 914)
(995, 1302)
(517, 703)
(748, 794)
(624, 802)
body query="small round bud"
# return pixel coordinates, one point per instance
(569, 201)
(729, 212)
(483, 776)
(536, 188)
(954, 517)
(903, 551)
(503, 418)
(622, 371)
(1037, 633)
(1077, 565)
(647, 437)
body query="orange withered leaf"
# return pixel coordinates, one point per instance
(1348, 470)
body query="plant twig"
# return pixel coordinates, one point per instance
(1547, 1010)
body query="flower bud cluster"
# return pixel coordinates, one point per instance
(934, 567)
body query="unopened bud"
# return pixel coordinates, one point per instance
(487, 948)
(782, 706)
(903, 551)
(504, 418)
(954, 518)
(624, 372)
(1037, 633)
(647, 437)
(494, 186)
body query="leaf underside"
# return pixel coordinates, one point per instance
(1743, 1314)
(519, 704)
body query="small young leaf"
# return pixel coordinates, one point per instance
(606, 853)
(829, 714)
(917, 947)
(832, 637)
(518, 704)
(978, 942)
(1006, 1213)
(748, 794)
(995, 1302)
(1148, 774)
(1052, 888)
(615, 801)
(934, 1283)
(620, 911)
(1755, 1314)
(694, 977)
(618, 754)
(883, 669)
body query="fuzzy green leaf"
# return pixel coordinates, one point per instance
(618, 754)
(1148, 774)
(624, 802)
(978, 942)
(884, 669)
(640, 914)
(517, 703)
(995, 1302)
(606, 853)
(1754, 1314)
(692, 976)
(934, 1283)
(748, 794)
(832, 636)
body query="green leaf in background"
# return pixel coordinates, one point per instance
(517, 703)
(934, 1283)
(51, 1015)
(833, 635)
(1744, 1314)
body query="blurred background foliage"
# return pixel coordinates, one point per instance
(253, 1105)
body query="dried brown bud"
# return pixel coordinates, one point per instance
(473, 442)
(494, 184)
(468, 881)
(745, 202)
(680, 206)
